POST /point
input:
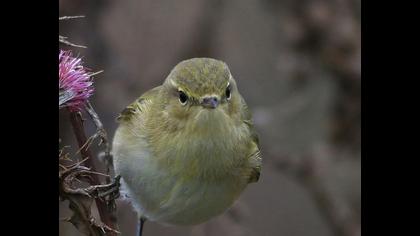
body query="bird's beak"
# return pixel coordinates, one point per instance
(210, 102)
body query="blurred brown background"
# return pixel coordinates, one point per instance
(297, 63)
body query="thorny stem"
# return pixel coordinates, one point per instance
(106, 216)
(100, 132)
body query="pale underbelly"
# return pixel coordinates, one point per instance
(177, 202)
(171, 198)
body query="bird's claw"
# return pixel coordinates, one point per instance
(107, 192)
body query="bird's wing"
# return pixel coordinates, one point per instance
(138, 107)
(255, 154)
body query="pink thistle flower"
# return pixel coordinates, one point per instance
(75, 83)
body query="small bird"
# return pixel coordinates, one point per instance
(187, 149)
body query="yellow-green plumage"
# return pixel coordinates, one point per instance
(185, 163)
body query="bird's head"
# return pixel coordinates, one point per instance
(202, 92)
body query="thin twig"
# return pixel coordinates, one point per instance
(70, 17)
(62, 39)
(95, 73)
(100, 132)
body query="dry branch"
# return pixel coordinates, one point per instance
(106, 207)
(81, 199)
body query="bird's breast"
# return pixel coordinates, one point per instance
(209, 147)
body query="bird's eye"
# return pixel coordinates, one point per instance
(228, 93)
(183, 98)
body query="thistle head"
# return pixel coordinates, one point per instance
(75, 83)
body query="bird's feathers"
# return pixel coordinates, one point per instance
(138, 106)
